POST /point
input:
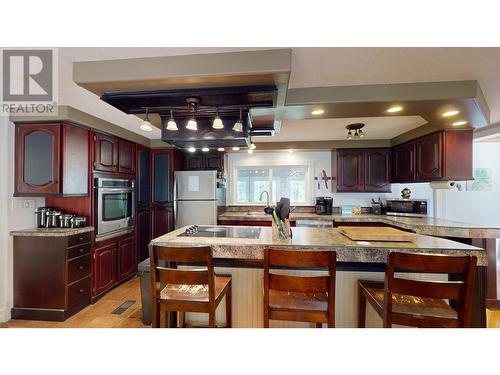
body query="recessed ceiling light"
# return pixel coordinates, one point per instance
(191, 149)
(450, 113)
(396, 108)
(220, 149)
(290, 151)
(317, 112)
(236, 149)
(459, 123)
(252, 146)
(205, 149)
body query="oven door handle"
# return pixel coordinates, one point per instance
(115, 190)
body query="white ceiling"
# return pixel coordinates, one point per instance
(311, 67)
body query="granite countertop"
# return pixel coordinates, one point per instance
(421, 225)
(319, 239)
(51, 232)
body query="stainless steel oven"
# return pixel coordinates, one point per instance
(115, 207)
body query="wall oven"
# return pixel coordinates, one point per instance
(115, 207)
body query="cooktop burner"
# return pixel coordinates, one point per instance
(223, 232)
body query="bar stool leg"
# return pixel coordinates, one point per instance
(229, 309)
(182, 319)
(155, 316)
(319, 325)
(361, 308)
(211, 319)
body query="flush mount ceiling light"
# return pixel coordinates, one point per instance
(146, 125)
(356, 128)
(236, 149)
(205, 149)
(290, 151)
(459, 123)
(217, 124)
(317, 112)
(221, 149)
(450, 113)
(172, 125)
(238, 125)
(191, 149)
(394, 109)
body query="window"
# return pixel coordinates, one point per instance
(280, 181)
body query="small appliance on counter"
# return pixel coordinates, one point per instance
(407, 207)
(324, 205)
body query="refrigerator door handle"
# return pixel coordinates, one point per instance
(175, 202)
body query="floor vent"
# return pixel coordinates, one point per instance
(122, 308)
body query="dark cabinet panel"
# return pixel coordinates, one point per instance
(143, 176)
(404, 162)
(75, 160)
(106, 153)
(377, 170)
(38, 159)
(163, 220)
(350, 170)
(126, 157)
(161, 176)
(105, 272)
(430, 157)
(127, 258)
(207, 161)
(215, 161)
(457, 154)
(143, 234)
(194, 162)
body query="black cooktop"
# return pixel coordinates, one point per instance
(223, 232)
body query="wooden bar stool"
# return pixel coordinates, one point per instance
(299, 298)
(420, 303)
(187, 290)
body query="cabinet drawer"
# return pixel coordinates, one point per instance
(79, 239)
(78, 268)
(78, 251)
(79, 293)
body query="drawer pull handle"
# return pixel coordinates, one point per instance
(81, 267)
(82, 250)
(80, 238)
(82, 290)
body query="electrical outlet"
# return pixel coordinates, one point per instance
(23, 204)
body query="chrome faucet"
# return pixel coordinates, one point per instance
(267, 193)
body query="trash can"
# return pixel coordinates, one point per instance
(143, 269)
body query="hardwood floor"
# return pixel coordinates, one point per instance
(99, 314)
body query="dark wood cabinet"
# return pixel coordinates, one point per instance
(127, 258)
(143, 177)
(105, 153)
(429, 151)
(403, 157)
(162, 178)
(143, 225)
(126, 157)
(205, 161)
(105, 272)
(162, 220)
(51, 160)
(51, 276)
(363, 170)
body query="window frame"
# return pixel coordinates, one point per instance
(245, 164)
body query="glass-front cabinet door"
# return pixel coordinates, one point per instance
(37, 158)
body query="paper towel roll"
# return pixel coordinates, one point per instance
(443, 185)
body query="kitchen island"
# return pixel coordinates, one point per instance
(243, 259)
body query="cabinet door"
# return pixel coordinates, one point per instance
(143, 234)
(106, 153)
(127, 258)
(104, 268)
(143, 177)
(377, 170)
(161, 177)
(430, 157)
(404, 162)
(215, 161)
(163, 220)
(194, 162)
(126, 157)
(350, 176)
(37, 159)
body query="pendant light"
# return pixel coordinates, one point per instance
(146, 125)
(172, 125)
(192, 124)
(238, 125)
(193, 103)
(217, 124)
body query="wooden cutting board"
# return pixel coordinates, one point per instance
(377, 234)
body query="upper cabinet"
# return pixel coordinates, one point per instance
(51, 160)
(444, 155)
(126, 157)
(113, 155)
(143, 188)
(208, 161)
(363, 170)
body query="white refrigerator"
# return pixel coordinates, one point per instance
(196, 198)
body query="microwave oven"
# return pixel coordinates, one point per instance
(406, 207)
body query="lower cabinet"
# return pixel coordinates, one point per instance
(163, 220)
(114, 260)
(143, 225)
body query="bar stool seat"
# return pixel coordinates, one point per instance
(408, 305)
(195, 293)
(280, 300)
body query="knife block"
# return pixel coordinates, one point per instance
(286, 231)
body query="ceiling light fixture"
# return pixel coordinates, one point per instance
(236, 148)
(191, 149)
(205, 149)
(193, 105)
(221, 149)
(356, 127)
(317, 112)
(238, 125)
(217, 124)
(172, 125)
(459, 123)
(396, 108)
(450, 113)
(290, 150)
(146, 125)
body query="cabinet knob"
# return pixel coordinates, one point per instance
(82, 290)
(81, 267)
(82, 250)
(80, 238)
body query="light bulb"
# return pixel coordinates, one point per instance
(192, 124)
(361, 134)
(191, 149)
(217, 124)
(236, 148)
(220, 149)
(205, 149)
(250, 151)
(238, 126)
(146, 126)
(349, 135)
